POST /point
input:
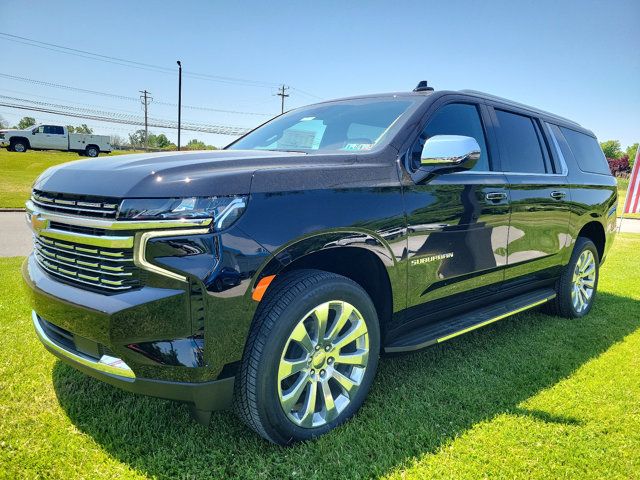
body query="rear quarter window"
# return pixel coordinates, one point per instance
(586, 151)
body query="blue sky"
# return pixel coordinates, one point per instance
(579, 59)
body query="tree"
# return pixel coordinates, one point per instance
(159, 141)
(117, 141)
(631, 152)
(3, 122)
(26, 122)
(136, 139)
(196, 144)
(81, 129)
(611, 148)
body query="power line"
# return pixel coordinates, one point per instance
(130, 63)
(110, 117)
(122, 97)
(141, 65)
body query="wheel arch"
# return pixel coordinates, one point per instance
(12, 140)
(595, 232)
(368, 264)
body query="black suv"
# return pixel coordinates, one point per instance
(271, 275)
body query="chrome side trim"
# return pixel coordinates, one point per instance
(108, 224)
(140, 252)
(106, 364)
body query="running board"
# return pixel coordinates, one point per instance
(458, 325)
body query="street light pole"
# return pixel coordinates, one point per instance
(179, 98)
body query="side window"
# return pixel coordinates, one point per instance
(58, 130)
(455, 119)
(521, 144)
(586, 151)
(40, 129)
(49, 129)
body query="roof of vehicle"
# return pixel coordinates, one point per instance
(474, 93)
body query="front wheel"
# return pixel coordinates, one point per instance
(577, 286)
(310, 358)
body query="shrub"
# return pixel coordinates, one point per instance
(619, 166)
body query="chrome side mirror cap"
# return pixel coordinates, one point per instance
(450, 151)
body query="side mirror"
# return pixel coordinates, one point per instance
(450, 151)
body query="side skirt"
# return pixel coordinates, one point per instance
(458, 325)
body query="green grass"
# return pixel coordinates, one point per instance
(532, 396)
(19, 170)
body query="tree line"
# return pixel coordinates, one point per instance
(620, 161)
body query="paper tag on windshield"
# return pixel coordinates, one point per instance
(358, 146)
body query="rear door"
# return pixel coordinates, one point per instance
(55, 137)
(540, 197)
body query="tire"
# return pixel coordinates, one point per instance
(92, 151)
(19, 146)
(569, 301)
(262, 389)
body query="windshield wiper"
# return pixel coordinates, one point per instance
(283, 150)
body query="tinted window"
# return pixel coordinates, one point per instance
(455, 119)
(49, 129)
(586, 151)
(520, 142)
(58, 130)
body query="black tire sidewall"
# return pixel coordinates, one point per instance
(89, 149)
(24, 145)
(582, 244)
(270, 410)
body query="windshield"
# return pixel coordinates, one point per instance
(350, 125)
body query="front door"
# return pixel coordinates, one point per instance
(457, 222)
(538, 232)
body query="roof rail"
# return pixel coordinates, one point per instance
(522, 105)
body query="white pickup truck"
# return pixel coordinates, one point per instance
(54, 137)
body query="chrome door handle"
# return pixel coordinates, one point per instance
(495, 196)
(558, 195)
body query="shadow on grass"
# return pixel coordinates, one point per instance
(418, 402)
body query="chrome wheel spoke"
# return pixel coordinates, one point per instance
(356, 331)
(301, 336)
(309, 407)
(589, 282)
(321, 316)
(345, 312)
(329, 404)
(348, 385)
(291, 397)
(289, 367)
(584, 281)
(358, 358)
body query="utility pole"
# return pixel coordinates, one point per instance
(145, 99)
(179, 98)
(281, 93)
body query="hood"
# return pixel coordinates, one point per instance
(169, 174)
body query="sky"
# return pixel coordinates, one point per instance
(578, 59)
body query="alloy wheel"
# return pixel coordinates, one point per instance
(584, 280)
(323, 364)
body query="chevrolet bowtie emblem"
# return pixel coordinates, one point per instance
(38, 223)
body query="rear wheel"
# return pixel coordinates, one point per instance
(19, 146)
(577, 286)
(310, 358)
(92, 151)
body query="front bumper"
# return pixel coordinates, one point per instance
(205, 396)
(95, 347)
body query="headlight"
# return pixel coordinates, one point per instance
(224, 210)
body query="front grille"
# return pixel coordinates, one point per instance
(82, 205)
(105, 269)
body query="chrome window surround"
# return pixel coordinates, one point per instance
(106, 364)
(40, 221)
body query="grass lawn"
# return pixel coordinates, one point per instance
(532, 396)
(19, 170)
